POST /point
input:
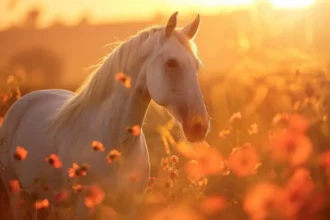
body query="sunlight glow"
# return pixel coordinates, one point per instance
(291, 3)
(215, 3)
(113, 10)
(237, 3)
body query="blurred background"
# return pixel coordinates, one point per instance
(55, 43)
(244, 45)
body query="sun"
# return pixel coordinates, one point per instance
(291, 3)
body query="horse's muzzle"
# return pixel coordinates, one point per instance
(196, 128)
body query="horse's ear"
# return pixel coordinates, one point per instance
(171, 24)
(191, 30)
(149, 44)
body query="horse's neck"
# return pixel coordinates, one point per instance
(109, 121)
(121, 108)
(128, 113)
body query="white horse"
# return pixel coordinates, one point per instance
(162, 63)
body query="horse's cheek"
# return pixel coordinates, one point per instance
(157, 88)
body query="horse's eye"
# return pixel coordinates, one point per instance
(172, 63)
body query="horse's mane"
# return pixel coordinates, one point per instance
(101, 82)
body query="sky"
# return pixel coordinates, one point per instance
(70, 11)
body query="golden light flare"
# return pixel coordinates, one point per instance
(220, 3)
(121, 10)
(291, 3)
(238, 3)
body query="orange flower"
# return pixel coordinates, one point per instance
(194, 170)
(4, 98)
(253, 129)
(208, 161)
(94, 196)
(61, 195)
(77, 188)
(211, 161)
(40, 204)
(298, 124)
(260, 201)
(20, 153)
(291, 147)
(97, 146)
(300, 186)
(164, 163)
(267, 199)
(77, 171)
(14, 186)
(72, 171)
(213, 205)
(226, 172)
(54, 160)
(295, 194)
(243, 161)
(294, 122)
(125, 80)
(174, 173)
(134, 130)
(224, 133)
(113, 155)
(174, 159)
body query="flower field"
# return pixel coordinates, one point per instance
(267, 155)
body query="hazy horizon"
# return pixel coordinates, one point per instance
(70, 12)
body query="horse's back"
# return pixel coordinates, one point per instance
(21, 106)
(25, 125)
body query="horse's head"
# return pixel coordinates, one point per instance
(171, 76)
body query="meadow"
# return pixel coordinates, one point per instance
(267, 155)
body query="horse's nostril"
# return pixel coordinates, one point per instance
(197, 128)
